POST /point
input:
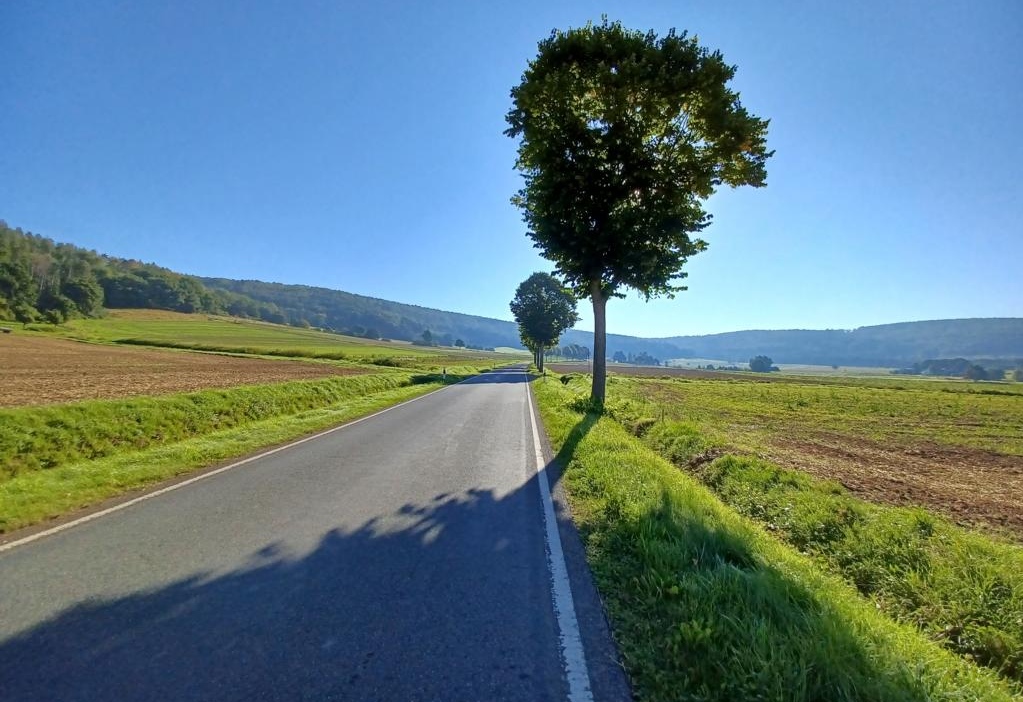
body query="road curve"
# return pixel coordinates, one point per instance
(400, 558)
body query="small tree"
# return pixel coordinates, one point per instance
(543, 309)
(459, 343)
(761, 364)
(622, 137)
(974, 372)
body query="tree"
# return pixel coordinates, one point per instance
(543, 309)
(622, 137)
(459, 343)
(761, 364)
(974, 372)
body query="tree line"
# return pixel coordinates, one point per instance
(963, 368)
(45, 281)
(41, 280)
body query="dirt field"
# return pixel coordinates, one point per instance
(953, 448)
(37, 371)
(970, 486)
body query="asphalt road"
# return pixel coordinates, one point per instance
(400, 558)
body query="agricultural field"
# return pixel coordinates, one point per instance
(39, 370)
(97, 407)
(175, 329)
(953, 447)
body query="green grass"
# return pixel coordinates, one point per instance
(34, 496)
(751, 414)
(960, 589)
(237, 336)
(51, 436)
(227, 334)
(706, 605)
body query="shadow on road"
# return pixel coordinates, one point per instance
(410, 606)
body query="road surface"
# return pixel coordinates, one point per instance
(399, 558)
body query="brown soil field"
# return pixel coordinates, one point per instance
(969, 486)
(38, 371)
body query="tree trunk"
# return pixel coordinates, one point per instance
(599, 343)
(540, 354)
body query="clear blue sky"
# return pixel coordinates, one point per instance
(359, 146)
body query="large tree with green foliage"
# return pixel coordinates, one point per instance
(543, 309)
(623, 136)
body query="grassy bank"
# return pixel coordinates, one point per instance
(707, 606)
(178, 434)
(961, 589)
(50, 436)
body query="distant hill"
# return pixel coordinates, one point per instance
(898, 344)
(359, 315)
(48, 281)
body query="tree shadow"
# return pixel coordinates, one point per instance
(440, 600)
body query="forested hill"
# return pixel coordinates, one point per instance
(899, 344)
(41, 280)
(370, 316)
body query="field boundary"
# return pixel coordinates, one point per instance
(156, 490)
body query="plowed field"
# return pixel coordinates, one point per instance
(37, 371)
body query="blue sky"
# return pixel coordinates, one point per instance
(359, 146)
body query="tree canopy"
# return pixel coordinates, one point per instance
(761, 364)
(543, 309)
(622, 136)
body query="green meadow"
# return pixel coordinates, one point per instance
(231, 335)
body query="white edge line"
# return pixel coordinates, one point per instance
(573, 656)
(176, 486)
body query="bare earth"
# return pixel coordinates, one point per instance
(38, 371)
(970, 486)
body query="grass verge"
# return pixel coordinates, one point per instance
(35, 496)
(706, 605)
(50, 436)
(961, 589)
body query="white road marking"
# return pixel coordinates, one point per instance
(573, 656)
(218, 471)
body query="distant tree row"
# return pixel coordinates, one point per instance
(962, 368)
(574, 352)
(638, 359)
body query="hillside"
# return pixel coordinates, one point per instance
(41, 280)
(359, 315)
(898, 344)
